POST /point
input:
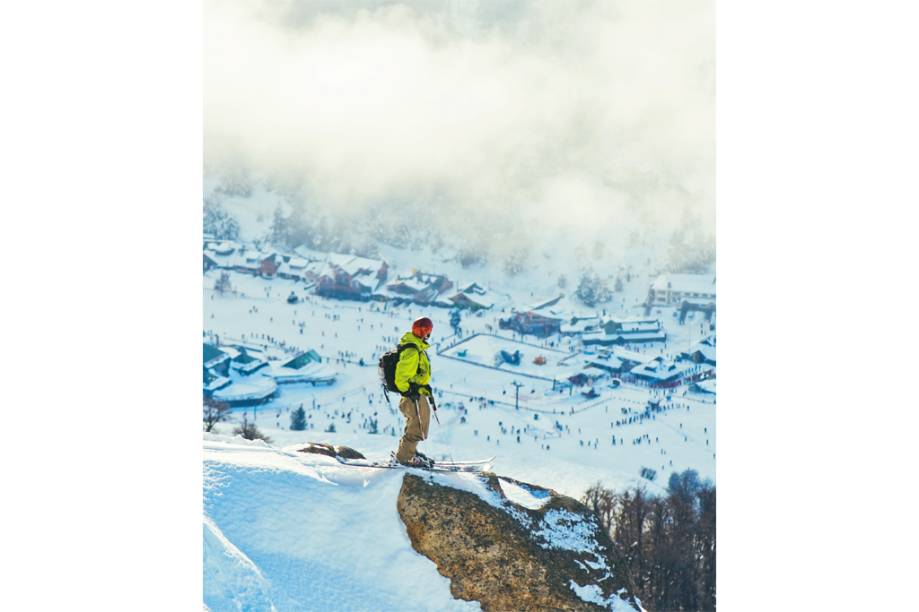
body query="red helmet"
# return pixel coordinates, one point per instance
(422, 327)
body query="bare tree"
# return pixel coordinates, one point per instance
(214, 412)
(663, 547)
(250, 432)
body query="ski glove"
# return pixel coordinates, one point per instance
(412, 392)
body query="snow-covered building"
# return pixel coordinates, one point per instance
(307, 367)
(245, 363)
(420, 288)
(671, 288)
(213, 382)
(350, 277)
(248, 391)
(581, 325)
(608, 363)
(625, 331)
(701, 352)
(216, 359)
(474, 297)
(300, 269)
(533, 323)
(662, 372)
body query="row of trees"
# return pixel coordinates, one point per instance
(218, 222)
(663, 546)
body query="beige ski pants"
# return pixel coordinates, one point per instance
(417, 418)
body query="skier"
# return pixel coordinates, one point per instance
(413, 373)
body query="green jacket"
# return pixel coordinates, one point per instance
(413, 366)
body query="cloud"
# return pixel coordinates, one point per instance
(597, 117)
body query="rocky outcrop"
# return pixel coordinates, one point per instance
(539, 551)
(321, 448)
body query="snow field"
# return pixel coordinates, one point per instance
(280, 532)
(569, 457)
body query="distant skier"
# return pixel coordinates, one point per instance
(413, 375)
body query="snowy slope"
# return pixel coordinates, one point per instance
(569, 460)
(282, 535)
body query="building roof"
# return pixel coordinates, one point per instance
(411, 284)
(707, 351)
(474, 299)
(685, 283)
(662, 369)
(213, 355)
(302, 360)
(581, 326)
(545, 303)
(634, 325)
(311, 373)
(355, 264)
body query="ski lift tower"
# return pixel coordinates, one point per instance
(517, 386)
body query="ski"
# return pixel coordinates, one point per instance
(439, 466)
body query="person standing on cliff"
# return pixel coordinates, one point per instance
(413, 375)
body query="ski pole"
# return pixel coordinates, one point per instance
(434, 406)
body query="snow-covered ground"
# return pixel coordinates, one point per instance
(283, 532)
(557, 439)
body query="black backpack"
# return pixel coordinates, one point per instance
(388, 363)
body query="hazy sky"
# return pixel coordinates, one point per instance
(594, 116)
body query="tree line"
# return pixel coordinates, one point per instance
(663, 546)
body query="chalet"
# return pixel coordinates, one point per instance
(293, 268)
(661, 372)
(626, 331)
(269, 263)
(474, 297)
(631, 326)
(372, 271)
(420, 288)
(533, 323)
(335, 282)
(350, 277)
(701, 352)
(585, 377)
(671, 289)
(609, 364)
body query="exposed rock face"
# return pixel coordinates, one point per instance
(321, 448)
(548, 555)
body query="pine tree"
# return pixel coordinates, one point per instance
(279, 234)
(223, 285)
(298, 419)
